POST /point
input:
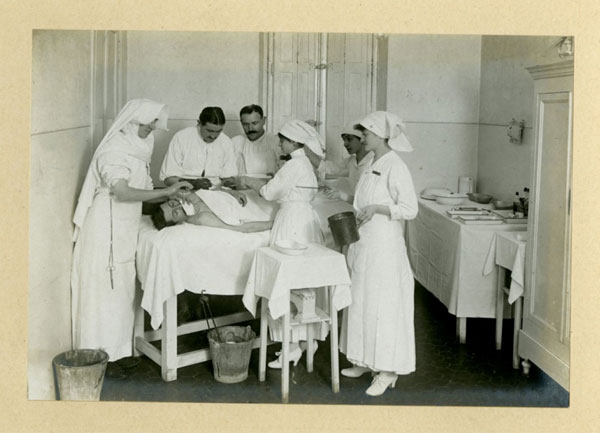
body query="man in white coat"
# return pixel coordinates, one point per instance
(257, 151)
(201, 154)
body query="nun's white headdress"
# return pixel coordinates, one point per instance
(302, 132)
(390, 126)
(136, 112)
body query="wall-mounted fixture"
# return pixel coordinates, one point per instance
(515, 130)
(565, 47)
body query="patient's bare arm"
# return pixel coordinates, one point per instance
(209, 219)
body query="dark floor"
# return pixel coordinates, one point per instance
(447, 373)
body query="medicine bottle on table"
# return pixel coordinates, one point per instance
(516, 203)
(525, 201)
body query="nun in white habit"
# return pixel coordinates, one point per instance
(107, 220)
(294, 187)
(377, 328)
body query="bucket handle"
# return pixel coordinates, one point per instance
(206, 311)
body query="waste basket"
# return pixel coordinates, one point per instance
(80, 374)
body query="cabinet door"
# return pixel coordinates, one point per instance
(544, 338)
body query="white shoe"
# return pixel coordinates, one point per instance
(381, 382)
(295, 355)
(355, 371)
(304, 347)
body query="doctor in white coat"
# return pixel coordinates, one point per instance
(378, 328)
(107, 221)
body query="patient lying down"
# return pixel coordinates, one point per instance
(213, 208)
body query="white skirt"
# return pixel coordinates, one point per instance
(298, 221)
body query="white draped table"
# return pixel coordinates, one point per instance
(448, 258)
(507, 251)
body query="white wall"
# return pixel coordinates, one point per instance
(506, 93)
(192, 70)
(433, 84)
(60, 152)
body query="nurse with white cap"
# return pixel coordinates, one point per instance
(377, 328)
(294, 186)
(348, 171)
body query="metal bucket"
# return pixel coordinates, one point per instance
(343, 228)
(230, 350)
(80, 374)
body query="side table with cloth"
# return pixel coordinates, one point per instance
(196, 258)
(507, 251)
(271, 278)
(447, 257)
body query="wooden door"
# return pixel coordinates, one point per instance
(544, 338)
(323, 78)
(293, 84)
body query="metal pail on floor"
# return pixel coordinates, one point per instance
(80, 374)
(230, 350)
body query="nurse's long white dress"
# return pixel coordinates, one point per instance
(378, 327)
(104, 311)
(296, 220)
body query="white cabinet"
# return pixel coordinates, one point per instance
(544, 337)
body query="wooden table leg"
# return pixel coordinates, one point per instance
(138, 327)
(285, 359)
(264, 328)
(461, 329)
(516, 327)
(333, 335)
(168, 348)
(309, 347)
(499, 306)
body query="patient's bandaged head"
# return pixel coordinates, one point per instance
(230, 211)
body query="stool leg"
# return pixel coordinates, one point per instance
(499, 306)
(333, 336)
(264, 328)
(517, 326)
(310, 342)
(285, 359)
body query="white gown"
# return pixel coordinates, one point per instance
(378, 327)
(296, 220)
(256, 157)
(189, 156)
(103, 314)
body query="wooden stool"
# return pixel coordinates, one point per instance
(285, 351)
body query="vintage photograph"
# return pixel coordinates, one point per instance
(300, 218)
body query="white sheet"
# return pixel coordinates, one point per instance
(196, 258)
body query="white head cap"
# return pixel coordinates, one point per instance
(351, 130)
(390, 126)
(302, 132)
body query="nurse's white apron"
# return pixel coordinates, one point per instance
(378, 328)
(103, 310)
